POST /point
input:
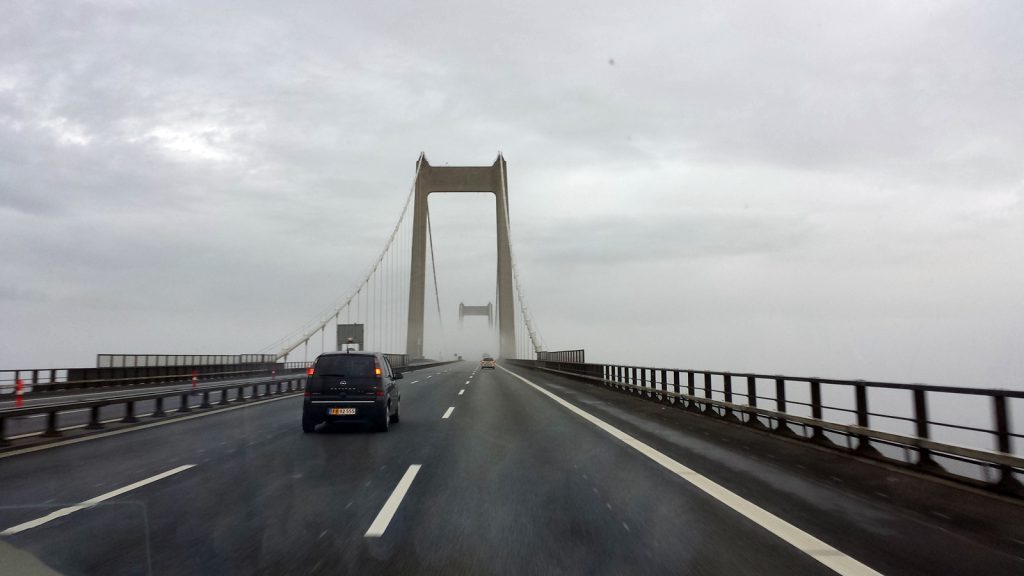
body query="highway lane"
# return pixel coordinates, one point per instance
(511, 482)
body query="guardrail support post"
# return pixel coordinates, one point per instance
(708, 407)
(158, 407)
(94, 419)
(924, 455)
(691, 391)
(241, 394)
(129, 413)
(781, 427)
(3, 435)
(206, 399)
(728, 413)
(184, 403)
(817, 435)
(1007, 483)
(51, 425)
(754, 421)
(864, 447)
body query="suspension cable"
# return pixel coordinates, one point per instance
(330, 313)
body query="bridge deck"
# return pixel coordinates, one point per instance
(510, 482)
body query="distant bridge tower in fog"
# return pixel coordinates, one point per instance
(477, 311)
(431, 179)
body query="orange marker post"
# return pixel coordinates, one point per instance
(19, 393)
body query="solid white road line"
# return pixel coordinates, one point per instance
(90, 503)
(820, 551)
(461, 391)
(380, 523)
(448, 412)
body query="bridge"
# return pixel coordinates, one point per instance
(553, 463)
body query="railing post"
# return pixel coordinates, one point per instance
(51, 425)
(817, 434)
(754, 420)
(727, 382)
(206, 399)
(691, 391)
(924, 455)
(158, 409)
(708, 407)
(782, 427)
(241, 394)
(184, 403)
(864, 446)
(649, 381)
(94, 419)
(3, 434)
(1006, 483)
(129, 413)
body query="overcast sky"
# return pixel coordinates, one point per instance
(809, 188)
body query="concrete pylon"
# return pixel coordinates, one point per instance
(431, 179)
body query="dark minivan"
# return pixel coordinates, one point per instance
(351, 386)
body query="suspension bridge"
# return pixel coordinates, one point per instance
(550, 464)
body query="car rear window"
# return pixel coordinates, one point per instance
(488, 359)
(345, 366)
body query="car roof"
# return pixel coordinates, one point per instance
(354, 353)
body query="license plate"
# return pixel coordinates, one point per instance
(341, 411)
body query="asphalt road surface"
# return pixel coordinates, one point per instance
(487, 473)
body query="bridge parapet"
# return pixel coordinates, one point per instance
(835, 413)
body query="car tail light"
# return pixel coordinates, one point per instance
(309, 371)
(379, 392)
(306, 393)
(376, 367)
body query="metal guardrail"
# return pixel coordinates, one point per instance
(44, 380)
(53, 411)
(695, 390)
(94, 406)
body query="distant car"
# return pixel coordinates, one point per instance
(351, 386)
(488, 362)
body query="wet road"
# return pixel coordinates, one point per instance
(488, 473)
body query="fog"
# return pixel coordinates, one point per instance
(824, 189)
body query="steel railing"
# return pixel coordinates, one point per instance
(53, 411)
(44, 380)
(816, 408)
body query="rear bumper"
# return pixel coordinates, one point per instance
(366, 410)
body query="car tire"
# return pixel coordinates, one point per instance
(308, 426)
(384, 424)
(396, 416)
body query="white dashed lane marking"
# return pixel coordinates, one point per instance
(380, 523)
(448, 412)
(90, 503)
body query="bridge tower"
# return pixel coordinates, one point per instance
(431, 179)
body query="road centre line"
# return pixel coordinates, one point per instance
(461, 391)
(92, 502)
(414, 381)
(806, 543)
(380, 523)
(448, 412)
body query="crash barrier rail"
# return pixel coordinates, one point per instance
(562, 356)
(53, 411)
(43, 380)
(270, 387)
(163, 360)
(800, 412)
